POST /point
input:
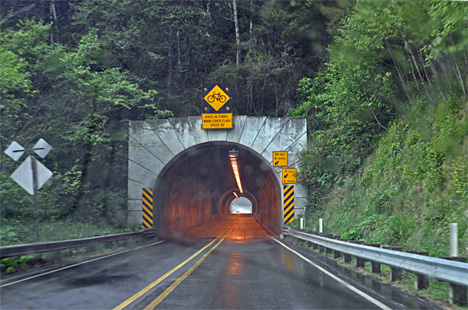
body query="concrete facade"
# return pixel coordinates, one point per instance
(154, 143)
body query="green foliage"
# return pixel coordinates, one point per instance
(411, 188)
(11, 264)
(79, 105)
(22, 230)
(393, 89)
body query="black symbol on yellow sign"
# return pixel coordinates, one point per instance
(280, 159)
(216, 98)
(289, 176)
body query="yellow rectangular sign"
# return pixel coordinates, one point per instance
(289, 176)
(217, 121)
(280, 159)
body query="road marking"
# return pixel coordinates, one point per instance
(161, 297)
(346, 284)
(146, 289)
(78, 264)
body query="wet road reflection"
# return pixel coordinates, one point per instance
(246, 270)
(245, 227)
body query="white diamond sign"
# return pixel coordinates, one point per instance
(23, 175)
(42, 148)
(14, 150)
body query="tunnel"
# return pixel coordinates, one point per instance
(197, 187)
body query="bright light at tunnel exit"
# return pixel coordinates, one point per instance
(235, 168)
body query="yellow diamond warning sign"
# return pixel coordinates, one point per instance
(216, 98)
(216, 106)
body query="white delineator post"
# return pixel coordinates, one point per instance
(320, 225)
(453, 239)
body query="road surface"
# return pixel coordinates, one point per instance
(230, 264)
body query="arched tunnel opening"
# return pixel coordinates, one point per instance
(198, 187)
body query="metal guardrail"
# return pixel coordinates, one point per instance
(432, 267)
(41, 247)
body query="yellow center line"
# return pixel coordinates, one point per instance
(160, 298)
(146, 289)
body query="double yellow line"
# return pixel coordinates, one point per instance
(160, 298)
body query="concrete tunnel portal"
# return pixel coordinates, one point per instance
(197, 187)
(189, 172)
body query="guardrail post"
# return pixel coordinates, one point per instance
(338, 254)
(360, 262)
(457, 293)
(320, 247)
(347, 258)
(327, 250)
(375, 267)
(395, 273)
(421, 282)
(314, 245)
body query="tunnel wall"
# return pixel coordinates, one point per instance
(155, 143)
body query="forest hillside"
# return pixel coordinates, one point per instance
(383, 85)
(388, 122)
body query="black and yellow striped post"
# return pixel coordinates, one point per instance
(147, 199)
(288, 203)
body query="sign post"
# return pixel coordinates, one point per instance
(31, 174)
(216, 106)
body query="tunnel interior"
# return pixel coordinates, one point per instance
(197, 187)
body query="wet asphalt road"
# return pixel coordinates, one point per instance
(239, 267)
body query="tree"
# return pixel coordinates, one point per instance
(78, 106)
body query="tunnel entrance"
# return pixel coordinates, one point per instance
(241, 205)
(197, 188)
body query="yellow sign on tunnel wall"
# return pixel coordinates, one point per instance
(289, 176)
(288, 203)
(280, 159)
(147, 208)
(217, 121)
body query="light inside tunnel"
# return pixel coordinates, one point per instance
(235, 195)
(233, 154)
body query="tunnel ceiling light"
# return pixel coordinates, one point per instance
(233, 155)
(236, 195)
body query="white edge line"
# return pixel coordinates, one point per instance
(349, 286)
(74, 265)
